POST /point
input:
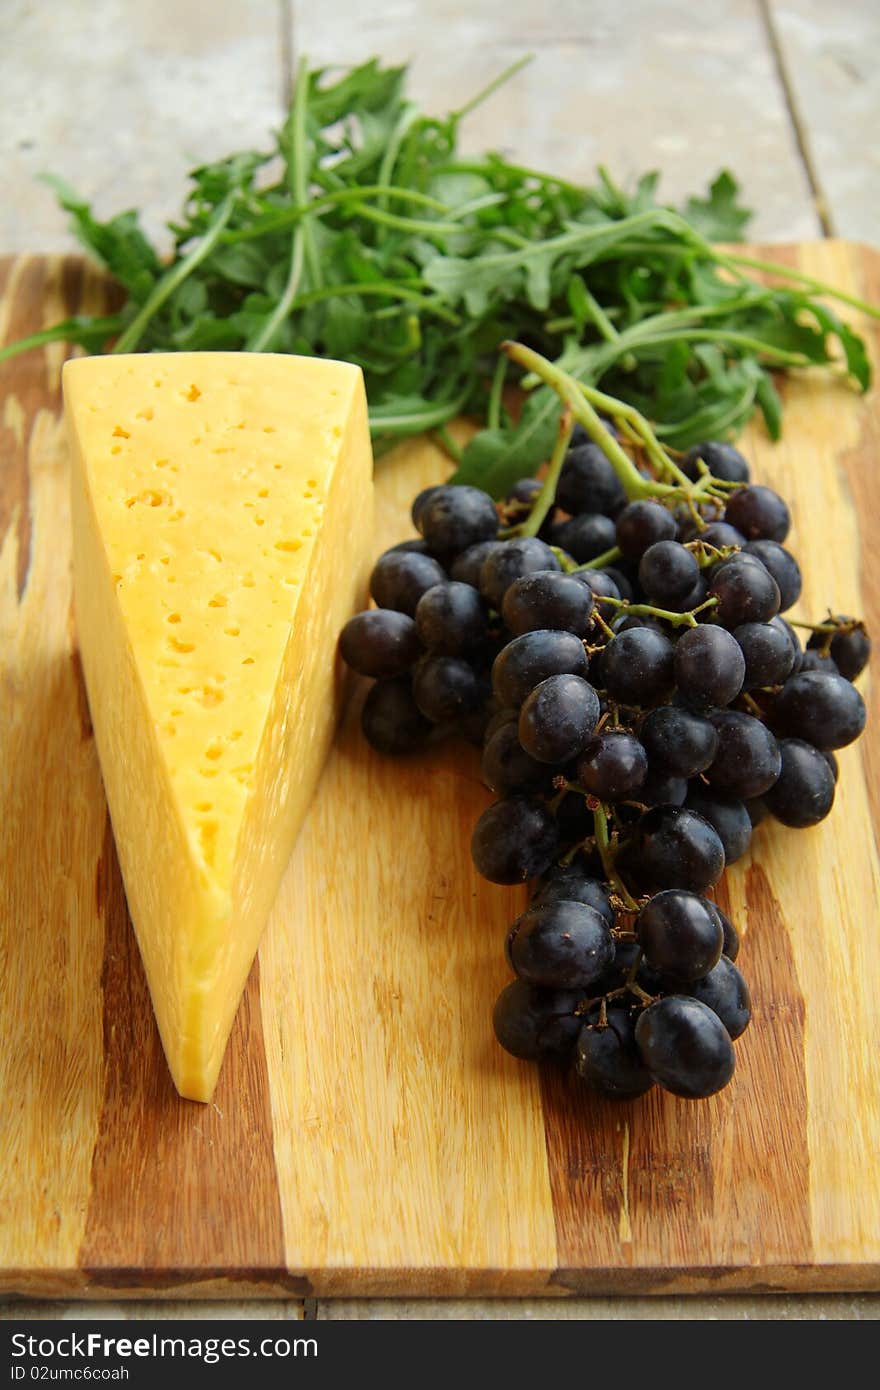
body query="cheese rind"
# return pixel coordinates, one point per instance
(222, 515)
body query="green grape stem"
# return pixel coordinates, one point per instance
(606, 853)
(647, 610)
(706, 555)
(599, 562)
(584, 402)
(547, 496)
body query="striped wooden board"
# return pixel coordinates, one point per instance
(368, 1136)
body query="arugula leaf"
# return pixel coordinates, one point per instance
(118, 244)
(364, 233)
(719, 217)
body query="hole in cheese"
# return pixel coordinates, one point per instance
(208, 841)
(150, 496)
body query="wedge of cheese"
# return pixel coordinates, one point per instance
(222, 524)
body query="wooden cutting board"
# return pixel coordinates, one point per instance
(368, 1136)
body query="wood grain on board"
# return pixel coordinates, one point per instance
(368, 1137)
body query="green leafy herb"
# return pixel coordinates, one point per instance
(363, 234)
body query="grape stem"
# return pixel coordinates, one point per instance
(547, 496)
(606, 854)
(706, 554)
(833, 628)
(600, 561)
(647, 610)
(584, 402)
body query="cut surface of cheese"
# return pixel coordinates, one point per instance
(222, 524)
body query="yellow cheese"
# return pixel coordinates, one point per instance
(222, 520)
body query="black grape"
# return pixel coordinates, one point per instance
(532, 658)
(709, 666)
(506, 766)
(511, 561)
(607, 1057)
(803, 793)
(759, 513)
(445, 687)
(613, 766)
(548, 600)
(849, 651)
(768, 651)
(676, 848)
(717, 534)
(514, 840)
(662, 789)
(668, 572)
(588, 482)
(561, 945)
(400, 578)
(824, 709)
(695, 598)
(600, 582)
(467, 567)
(678, 741)
(813, 660)
(536, 1025)
(685, 1046)
(722, 460)
(452, 518)
(452, 619)
(392, 721)
(642, 524)
(557, 718)
(586, 536)
(380, 642)
(420, 500)
(746, 591)
(572, 885)
(680, 934)
(748, 760)
(622, 580)
(783, 567)
(726, 993)
(727, 814)
(637, 666)
(525, 492)
(731, 935)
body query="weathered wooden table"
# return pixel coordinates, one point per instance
(121, 98)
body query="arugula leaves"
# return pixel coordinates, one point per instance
(363, 234)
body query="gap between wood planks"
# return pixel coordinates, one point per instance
(798, 126)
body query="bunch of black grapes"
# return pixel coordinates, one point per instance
(642, 705)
